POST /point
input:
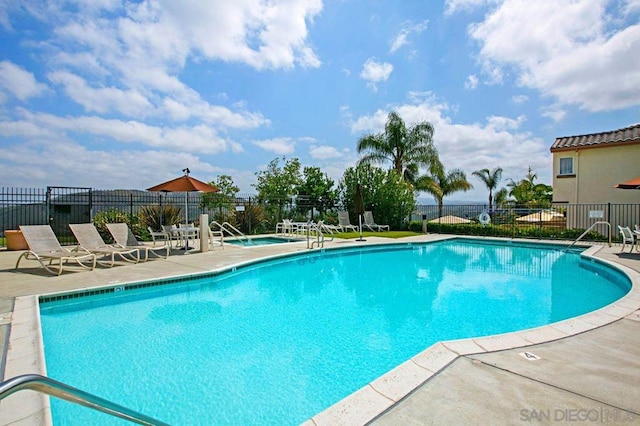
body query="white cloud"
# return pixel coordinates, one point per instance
(20, 83)
(324, 152)
(631, 6)
(407, 29)
(452, 6)
(280, 146)
(554, 112)
(375, 72)
(568, 50)
(260, 33)
(101, 100)
(471, 83)
(199, 138)
(519, 99)
(72, 164)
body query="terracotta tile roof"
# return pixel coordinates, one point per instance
(626, 135)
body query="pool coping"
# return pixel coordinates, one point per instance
(26, 352)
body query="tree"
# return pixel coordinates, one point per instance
(491, 179)
(276, 185)
(385, 193)
(439, 183)
(318, 188)
(501, 197)
(406, 148)
(224, 200)
(527, 193)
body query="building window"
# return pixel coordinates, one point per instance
(566, 166)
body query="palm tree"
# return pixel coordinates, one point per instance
(490, 179)
(406, 148)
(527, 192)
(439, 183)
(501, 196)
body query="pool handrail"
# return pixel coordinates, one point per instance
(599, 222)
(230, 229)
(42, 384)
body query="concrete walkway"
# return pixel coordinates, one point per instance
(592, 376)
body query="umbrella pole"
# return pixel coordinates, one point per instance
(360, 226)
(186, 221)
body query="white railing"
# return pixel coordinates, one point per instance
(600, 222)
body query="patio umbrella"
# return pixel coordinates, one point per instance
(450, 220)
(184, 184)
(630, 184)
(359, 208)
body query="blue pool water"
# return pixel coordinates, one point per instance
(277, 342)
(261, 241)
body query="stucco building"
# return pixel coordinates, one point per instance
(586, 169)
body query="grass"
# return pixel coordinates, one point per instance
(387, 234)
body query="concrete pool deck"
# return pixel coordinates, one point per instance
(572, 371)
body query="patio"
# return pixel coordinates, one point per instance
(587, 365)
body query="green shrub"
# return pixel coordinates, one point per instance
(416, 226)
(251, 220)
(156, 216)
(109, 216)
(509, 231)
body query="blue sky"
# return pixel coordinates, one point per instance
(113, 94)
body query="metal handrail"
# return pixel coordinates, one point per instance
(319, 235)
(600, 222)
(238, 234)
(42, 384)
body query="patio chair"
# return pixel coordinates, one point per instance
(159, 235)
(627, 237)
(285, 227)
(123, 237)
(89, 239)
(171, 231)
(344, 223)
(188, 232)
(44, 246)
(371, 224)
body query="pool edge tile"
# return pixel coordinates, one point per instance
(358, 408)
(25, 355)
(399, 382)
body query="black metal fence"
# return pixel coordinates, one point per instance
(558, 221)
(59, 206)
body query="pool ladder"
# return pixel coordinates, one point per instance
(229, 229)
(317, 228)
(600, 222)
(42, 384)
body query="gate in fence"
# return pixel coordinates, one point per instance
(65, 205)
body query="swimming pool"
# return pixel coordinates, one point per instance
(262, 241)
(277, 342)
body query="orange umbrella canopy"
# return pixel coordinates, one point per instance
(184, 184)
(630, 184)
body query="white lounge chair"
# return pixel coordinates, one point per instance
(344, 223)
(44, 246)
(89, 239)
(123, 237)
(627, 237)
(326, 228)
(371, 224)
